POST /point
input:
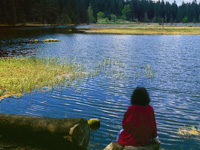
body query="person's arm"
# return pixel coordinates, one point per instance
(128, 119)
(154, 125)
(155, 135)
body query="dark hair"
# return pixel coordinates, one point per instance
(140, 97)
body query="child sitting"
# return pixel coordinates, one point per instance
(139, 125)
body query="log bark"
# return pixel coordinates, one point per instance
(48, 133)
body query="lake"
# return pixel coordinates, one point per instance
(174, 88)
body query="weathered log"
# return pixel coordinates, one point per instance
(49, 133)
(116, 146)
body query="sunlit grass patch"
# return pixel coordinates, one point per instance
(11, 94)
(46, 40)
(51, 40)
(146, 30)
(19, 75)
(34, 41)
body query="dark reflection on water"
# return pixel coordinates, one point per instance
(15, 41)
(174, 89)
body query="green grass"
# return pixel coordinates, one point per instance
(145, 30)
(105, 20)
(19, 75)
(51, 40)
(26, 75)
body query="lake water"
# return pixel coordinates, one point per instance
(174, 89)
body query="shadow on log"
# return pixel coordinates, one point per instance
(47, 133)
(116, 146)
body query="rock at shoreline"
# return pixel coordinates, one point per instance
(94, 124)
(116, 146)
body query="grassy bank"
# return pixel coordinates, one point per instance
(145, 30)
(19, 75)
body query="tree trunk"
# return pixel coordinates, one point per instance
(49, 133)
(162, 23)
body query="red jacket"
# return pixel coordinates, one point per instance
(139, 126)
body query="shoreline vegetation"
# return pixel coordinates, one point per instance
(26, 75)
(141, 29)
(127, 28)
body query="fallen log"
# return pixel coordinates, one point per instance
(44, 132)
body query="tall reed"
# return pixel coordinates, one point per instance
(20, 75)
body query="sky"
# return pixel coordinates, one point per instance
(179, 2)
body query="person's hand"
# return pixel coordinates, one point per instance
(159, 142)
(156, 139)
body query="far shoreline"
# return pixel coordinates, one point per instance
(35, 25)
(144, 29)
(131, 28)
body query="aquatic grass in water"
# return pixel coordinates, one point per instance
(19, 75)
(46, 40)
(116, 70)
(51, 40)
(148, 71)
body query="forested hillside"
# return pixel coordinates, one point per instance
(89, 11)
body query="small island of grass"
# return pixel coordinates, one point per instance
(51, 40)
(46, 40)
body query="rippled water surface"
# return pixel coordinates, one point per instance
(174, 89)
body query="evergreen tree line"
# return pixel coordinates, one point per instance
(43, 11)
(148, 10)
(87, 11)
